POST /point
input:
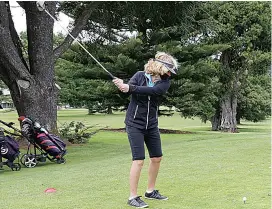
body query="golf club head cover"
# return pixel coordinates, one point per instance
(26, 126)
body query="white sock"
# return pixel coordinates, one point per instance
(149, 191)
(131, 197)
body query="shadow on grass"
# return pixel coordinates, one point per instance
(97, 151)
(199, 139)
(162, 131)
(92, 151)
(252, 124)
(254, 130)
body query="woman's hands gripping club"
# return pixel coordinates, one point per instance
(121, 85)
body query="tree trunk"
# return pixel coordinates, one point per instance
(238, 116)
(228, 114)
(37, 102)
(32, 89)
(238, 119)
(228, 101)
(109, 110)
(91, 111)
(216, 121)
(32, 86)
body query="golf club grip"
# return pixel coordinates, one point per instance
(112, 76)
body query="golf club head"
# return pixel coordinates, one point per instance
(40, 5)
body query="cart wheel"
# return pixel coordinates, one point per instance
(22, 160)
(16, 167)
(61, 161)
(29, 161)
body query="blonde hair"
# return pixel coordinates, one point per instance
(157, 68)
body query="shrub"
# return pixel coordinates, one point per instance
(76, 132)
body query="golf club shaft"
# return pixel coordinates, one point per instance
(12, 127)
(80, 45)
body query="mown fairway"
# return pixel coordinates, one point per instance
(202, 170)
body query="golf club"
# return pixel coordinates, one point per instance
(41, 7)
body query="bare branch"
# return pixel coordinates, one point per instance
(79, 25)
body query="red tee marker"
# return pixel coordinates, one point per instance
(50, 190)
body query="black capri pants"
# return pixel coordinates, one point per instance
(137, 137)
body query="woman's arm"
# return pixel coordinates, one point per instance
(159, 89)
(132, 87)
(120, 83)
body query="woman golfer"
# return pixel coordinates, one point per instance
(146, 88)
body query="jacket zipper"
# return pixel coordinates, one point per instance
(157, 112)
(148, 103)
(135, 112)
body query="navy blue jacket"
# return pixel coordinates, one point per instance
(142, 111)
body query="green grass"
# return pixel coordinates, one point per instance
(203, 170)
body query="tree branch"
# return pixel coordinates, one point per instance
(15, 37)
(9, 80)
(78, 27)
(10, 59)
(21, 3)
(3, 75)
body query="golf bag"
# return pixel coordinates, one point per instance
(10, 151)
(50, 143)
(50, 146)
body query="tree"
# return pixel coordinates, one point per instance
(215, 47)
(110, 21)
(127, 57)
(245, 26)
(32, 83)
(86, 84)
(214, 88)
(254, 99)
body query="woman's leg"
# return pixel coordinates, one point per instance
(136, 140)
(153, 171)
(134, 177)
(153, 143)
